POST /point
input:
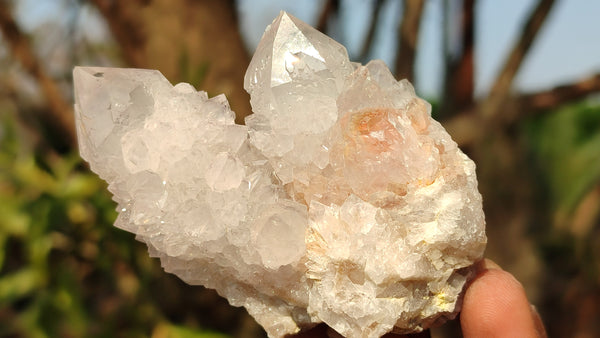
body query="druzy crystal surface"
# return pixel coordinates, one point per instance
(340, 201)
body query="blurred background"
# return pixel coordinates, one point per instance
(516, 83)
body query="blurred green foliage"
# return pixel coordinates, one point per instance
(566, 145)
(65, 271)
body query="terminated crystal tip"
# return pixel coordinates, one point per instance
(340, 201)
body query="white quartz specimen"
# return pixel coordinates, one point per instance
(341, 201)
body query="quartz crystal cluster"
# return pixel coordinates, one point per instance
(340, 201)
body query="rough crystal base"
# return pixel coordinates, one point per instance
(340, 201)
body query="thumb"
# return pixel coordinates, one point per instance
(495, 305)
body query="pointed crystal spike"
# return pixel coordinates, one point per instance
(103, 95)
(294, 80)
(285, 42)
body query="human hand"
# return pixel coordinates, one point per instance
(494, 305)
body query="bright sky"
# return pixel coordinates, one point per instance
(567, 49)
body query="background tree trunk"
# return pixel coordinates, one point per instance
(192, 41)
(409, 36)
(459, 84)
(500, 90)
(58, 113)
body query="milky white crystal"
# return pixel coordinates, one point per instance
(341, 201)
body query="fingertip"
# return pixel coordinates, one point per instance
(495, 305)
(484, 265)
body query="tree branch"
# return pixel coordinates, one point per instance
(330, 8)
(500, 91)
(458, 80)
(468, 127)
(368, 41)
(59, 114)
(409, 35)
(544, 100)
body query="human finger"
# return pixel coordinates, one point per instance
(495, 305)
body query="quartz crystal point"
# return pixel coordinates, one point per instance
(341, 201)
